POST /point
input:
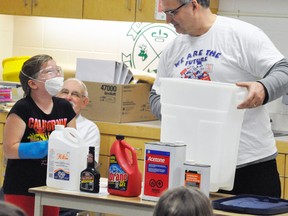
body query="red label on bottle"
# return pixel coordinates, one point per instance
(157, 166)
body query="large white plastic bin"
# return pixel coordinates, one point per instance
(204, 115)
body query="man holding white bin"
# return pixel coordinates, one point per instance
(221, 49)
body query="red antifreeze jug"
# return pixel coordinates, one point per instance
(124, 176)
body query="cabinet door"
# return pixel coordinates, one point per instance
(214, 4)
(145, 11)
(57, 8)
(15, 7)
(118, 10)
(2, 160)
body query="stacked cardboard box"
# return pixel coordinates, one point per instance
(118, 102)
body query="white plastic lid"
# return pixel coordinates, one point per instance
(191, 162)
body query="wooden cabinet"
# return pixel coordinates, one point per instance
(214, 4)
(15, 7)
(2, 160)
(117, 10)
(58, 8)
(49, 8)
(120, 10)
(126, 10)
(145, 11)
(282, 164)
(281, 158)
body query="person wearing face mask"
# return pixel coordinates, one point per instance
(28, 126)
(75, 91)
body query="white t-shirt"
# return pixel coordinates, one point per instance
(231, 51)
(89, 133)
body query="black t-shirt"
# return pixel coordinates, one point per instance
(22, 174)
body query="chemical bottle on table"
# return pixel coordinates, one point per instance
(66, 158)
(90, 177)
(124, 176)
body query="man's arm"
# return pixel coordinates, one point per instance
(276, 80)
(155, 104)
(272, 86)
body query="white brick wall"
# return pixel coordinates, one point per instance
(270, 15)
(6, 38)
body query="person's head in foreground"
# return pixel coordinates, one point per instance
(183, 201)
(7, 209)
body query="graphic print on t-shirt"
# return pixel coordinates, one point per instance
(42, 128)
(196, 64)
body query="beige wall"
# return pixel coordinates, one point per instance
(6, 38)
(69, 39)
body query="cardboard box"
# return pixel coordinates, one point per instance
(118, 103)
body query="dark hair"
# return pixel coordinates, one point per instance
(7, 209)
(183, 201)
(204, 3)
(30, 68)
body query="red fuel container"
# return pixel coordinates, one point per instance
(124, 176)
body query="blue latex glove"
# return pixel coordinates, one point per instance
(33, 150)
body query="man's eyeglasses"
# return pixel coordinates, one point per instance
(173, 12)
(73, 94)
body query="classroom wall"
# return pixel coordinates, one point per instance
(69, 39)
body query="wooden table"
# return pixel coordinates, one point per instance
(102, 202)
